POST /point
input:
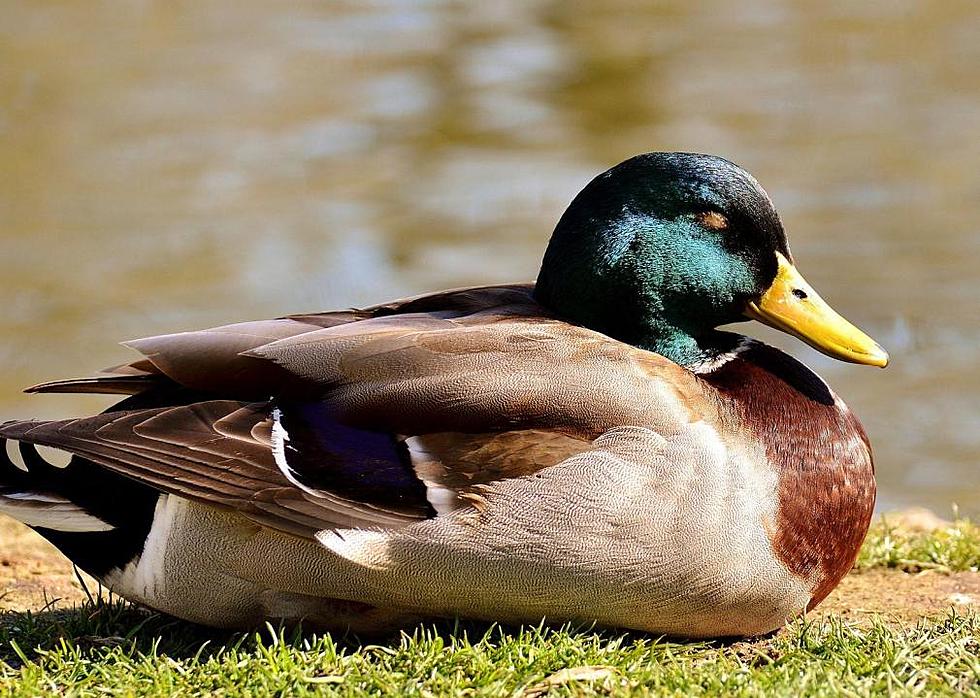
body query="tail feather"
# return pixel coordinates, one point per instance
(29, 492)
(104, 385)
(96, 517)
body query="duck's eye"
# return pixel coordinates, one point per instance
(800, 293)
(712, 220)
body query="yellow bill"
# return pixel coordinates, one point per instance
(791, 305)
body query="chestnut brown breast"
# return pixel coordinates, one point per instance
(821, 454)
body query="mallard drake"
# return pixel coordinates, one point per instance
(586, 448)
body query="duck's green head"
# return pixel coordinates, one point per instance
(665, 247)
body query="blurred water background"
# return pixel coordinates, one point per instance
(174, 165)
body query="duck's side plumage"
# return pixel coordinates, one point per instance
(467, 453)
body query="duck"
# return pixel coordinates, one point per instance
(586, 448)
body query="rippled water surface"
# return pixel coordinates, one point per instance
(168, 166)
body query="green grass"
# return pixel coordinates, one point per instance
(828, 658)
(952, 548)
(112, 648)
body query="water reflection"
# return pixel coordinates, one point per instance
(171, 165)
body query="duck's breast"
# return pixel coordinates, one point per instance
(819, 452)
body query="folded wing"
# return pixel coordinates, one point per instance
(372, 418)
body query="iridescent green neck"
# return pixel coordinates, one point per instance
(683, 349)
(641, 328)
(655, 284)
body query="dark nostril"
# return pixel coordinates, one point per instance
(800, 293)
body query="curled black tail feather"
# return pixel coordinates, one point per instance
(40, 474)
(98, 519)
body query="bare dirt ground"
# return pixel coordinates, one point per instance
(34, 575)
(901, 597)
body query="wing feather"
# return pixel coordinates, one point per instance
(482, 383)
(176, 450)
